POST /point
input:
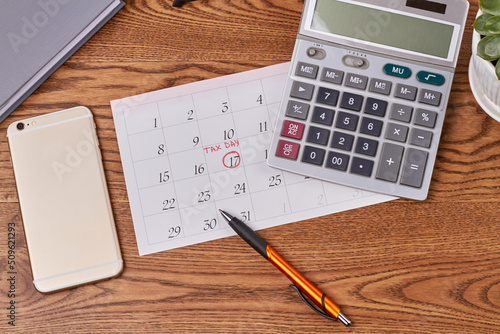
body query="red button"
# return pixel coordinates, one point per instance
(292, 129)
(287, 149)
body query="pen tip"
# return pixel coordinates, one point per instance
(226, 215)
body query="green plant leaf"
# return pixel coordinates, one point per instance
(492, 25)
(490, 6)
(497, 70)
(481, 48)
(479, 24)
(492, 47)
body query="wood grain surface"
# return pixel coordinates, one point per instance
(398, 267)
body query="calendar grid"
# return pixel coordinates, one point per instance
(210, 153)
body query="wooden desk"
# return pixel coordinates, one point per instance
(398, 267)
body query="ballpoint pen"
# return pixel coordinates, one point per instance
(301, 284)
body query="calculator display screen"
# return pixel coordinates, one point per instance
(383, 27)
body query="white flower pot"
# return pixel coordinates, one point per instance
(483, 81)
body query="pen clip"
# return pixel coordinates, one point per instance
(308, 302)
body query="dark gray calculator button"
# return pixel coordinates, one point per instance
(401, 112)
(366, 146)
(375, 107)
(327, 96)
(429, 97)
(347, 121)
(318, 135)
(306, 70)
(421, 137)
(331, 75)
(390, 162)
(396, 132)
(414, 167)
(356, 81)
(337, 161)
(323, 116)
(370, 126)
(406, 92)
(342, 141)
(351, 101)
(297, 109)
(425, 118)
(302, 90)
(380, 86)
(313, 155)
(361, 166)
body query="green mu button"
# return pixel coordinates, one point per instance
(397, 71)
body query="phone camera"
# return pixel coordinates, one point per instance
(20, 126)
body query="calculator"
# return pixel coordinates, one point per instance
(366, 95)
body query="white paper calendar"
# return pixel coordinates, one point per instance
(190, 150)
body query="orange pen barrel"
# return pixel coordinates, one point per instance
(308, 288)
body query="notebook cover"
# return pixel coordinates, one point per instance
(38, 36)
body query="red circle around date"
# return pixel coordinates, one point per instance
(234, 160)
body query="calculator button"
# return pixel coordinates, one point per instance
(297, 109)
(287, 149)
(414, 167)
(356, 81)
(323, 116)
(397, 71)
(375, 107)
(332, 76)
(327, 96)
(421, 137)
(380, 86)
(347, 121)
(396, 132)
(313, 155)
(406, 92)
(292, 129)
(318, 135)
(390, 162)
(401, 112)
(370, 126)
(429, 97)
(366, 146)
(361, 166)
(351, 101)
(430, 78)
(306, 70)
(342, 141)
(337, 161)
(302, 90)
(425, 118)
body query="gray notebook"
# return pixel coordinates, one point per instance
(37, 36)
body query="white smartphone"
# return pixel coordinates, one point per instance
(67, 216)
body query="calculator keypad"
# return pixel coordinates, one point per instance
(375, 129)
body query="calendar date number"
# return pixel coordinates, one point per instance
(174, 232)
